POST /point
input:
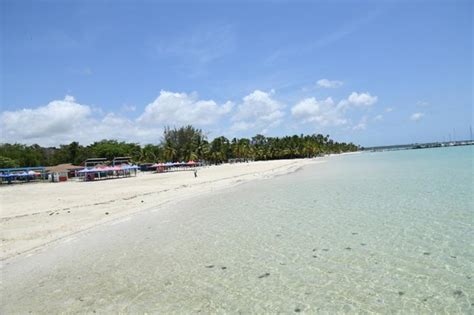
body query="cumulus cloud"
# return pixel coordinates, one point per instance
(328, 113)
(324, 113)
(325, 83)
(389, 109)
(417, 116)
(362, 99)
(57, 117)
(67, 120)
(258, 112)
(114, 126)
(358, 100)
(180, 108)
(64, 121)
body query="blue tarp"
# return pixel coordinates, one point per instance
(100, 170)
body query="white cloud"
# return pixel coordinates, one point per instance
(328, 113)
(258, 112)
(180, 108)
(324, 113)
(389, 109)
(113, 126)
(67, 120)
(358, 100)
(325, 83)
(57, 117)
(417, 116)
(378, 118)
(64, 121)
(69, 99)
(362, 99)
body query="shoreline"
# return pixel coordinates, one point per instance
(35, 216)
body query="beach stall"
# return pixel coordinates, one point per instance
(62, 172)
(22, 174)
(158, 167)
(127, 169)
(107, 172)
(192, 163)
(174, 166)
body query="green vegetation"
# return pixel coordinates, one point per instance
(6, 162)
(178, 144)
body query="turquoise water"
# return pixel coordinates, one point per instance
(372, 232)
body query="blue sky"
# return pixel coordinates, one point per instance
(373, 72)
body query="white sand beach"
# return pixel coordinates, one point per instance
(36, 214)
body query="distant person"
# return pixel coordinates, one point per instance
(195, 173)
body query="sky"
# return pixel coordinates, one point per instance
(367, 72)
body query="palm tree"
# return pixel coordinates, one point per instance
(169, 152)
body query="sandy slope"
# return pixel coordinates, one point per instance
(33, 215)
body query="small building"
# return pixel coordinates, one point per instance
(62, 172)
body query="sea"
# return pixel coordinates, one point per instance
(375, 232)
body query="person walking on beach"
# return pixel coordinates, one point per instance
(195, 173)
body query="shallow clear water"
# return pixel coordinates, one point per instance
(373, 232)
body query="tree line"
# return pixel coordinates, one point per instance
(177, 144)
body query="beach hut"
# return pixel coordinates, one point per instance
(62, 172)
(192, 163)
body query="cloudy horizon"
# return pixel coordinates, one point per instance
(66, 120)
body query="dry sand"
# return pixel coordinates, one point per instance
(36, 214)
